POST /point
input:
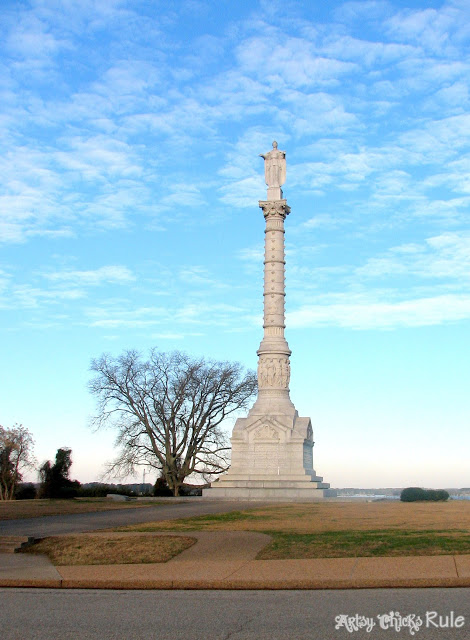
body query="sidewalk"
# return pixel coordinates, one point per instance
(226, 560)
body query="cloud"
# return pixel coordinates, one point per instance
(368, 53)
(252, 254)
(446, 256)
(112, 274)
(364, 312)
(30, 41)
(242, 193)
(290, 61)
(430, 28)
(197, 275)
(365, 10)
(189, 314)
(27, 296)
(183, 195)
(410, 285)
(114, 318)
(60, 287)
(322, 221)
(4, 280)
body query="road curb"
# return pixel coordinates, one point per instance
(258, 585)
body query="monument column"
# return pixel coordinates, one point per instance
(274, 352)
(272, 446)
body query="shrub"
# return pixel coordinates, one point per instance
(161, 488)
(25, 491)
(101, 490)
(412, 494)
(439, 495)
(190, 490)
(415, 494)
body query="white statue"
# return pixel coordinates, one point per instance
(274, 166)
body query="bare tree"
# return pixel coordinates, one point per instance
(16, 446)
(169, 411)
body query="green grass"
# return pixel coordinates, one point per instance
(196, 523)
(232, 516)
(347, 544)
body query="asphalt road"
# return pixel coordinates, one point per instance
(42, 614)
(79, 522)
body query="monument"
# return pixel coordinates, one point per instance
(272, 447)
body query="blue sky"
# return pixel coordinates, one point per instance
(130, 134)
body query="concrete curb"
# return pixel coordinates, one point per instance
(236, 584)
(226, 560)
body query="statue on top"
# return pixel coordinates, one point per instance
(274, 166)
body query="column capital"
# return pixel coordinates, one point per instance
(274, 208)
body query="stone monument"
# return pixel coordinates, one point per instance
(272, 446)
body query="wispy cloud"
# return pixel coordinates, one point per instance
(446, 256)
(187, 315)
(252, 254)
(60, 287)
(25, 296)
(364, 312)
(322, 221)
(109, 274)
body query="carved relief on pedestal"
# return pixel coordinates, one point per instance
(309, 432)
(308, 457)
(274, 372)
(267, 432)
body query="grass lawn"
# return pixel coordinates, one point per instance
(14, 509)
(350, 544)
(343, 529)
(125, 549)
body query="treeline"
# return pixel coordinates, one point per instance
(30, 490)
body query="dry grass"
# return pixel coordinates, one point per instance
(328, 516)
(344, 529)
(114, 549)
(14, 509)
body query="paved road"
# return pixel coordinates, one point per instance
(41, 614)
(76, 523)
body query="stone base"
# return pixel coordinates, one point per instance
(271, 456)
(268, 488)
(276, 494)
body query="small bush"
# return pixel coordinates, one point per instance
(25, 491)
(438, 495)
(415, 494)
(412, 494)
(190, 490)
(100, 490)
(161, 488)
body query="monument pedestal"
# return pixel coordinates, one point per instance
(271, 460)
(272, 447)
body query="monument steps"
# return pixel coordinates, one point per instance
(292, 494)
(273, 484)
(282, 477)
